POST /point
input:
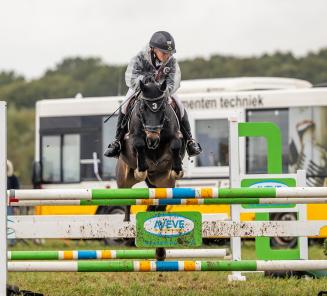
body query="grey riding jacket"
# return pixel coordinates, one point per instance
(141, 65)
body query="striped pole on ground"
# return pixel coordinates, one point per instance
(165, 193)
(160, 266)
(190, 201)
(114, 254)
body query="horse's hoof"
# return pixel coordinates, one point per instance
(174, 175)
(140, 176)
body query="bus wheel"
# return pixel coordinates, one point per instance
(104, 210)
(287, 241)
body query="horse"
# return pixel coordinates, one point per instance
(153, 148)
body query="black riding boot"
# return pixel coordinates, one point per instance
(193, 148)
(114, 148)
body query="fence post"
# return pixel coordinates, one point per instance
(3, 199)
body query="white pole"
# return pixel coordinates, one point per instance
(3, 200)
(294, 192)
(46, 194)
(194, 253)
(105, 226)
(234, 181)
(43, 266)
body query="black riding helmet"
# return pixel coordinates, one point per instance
(164, 41)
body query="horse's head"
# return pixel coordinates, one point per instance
(152, 111)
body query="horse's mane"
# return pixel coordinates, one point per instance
(153, 89)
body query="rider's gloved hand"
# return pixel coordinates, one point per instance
(147, 78)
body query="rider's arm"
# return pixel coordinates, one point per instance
(134, 73)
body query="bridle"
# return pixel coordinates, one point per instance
(154, 105)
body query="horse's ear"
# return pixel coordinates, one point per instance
(141, 85)
(163, 86)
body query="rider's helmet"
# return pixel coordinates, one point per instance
(164, 41)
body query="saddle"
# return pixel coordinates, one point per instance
(174, 105)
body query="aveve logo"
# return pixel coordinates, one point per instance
(169, 225)
(268, 184)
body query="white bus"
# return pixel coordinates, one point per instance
(71, 134)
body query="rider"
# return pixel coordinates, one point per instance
(155, 62)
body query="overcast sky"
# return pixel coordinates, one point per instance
(37, 34)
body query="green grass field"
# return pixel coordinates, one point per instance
(182, 283)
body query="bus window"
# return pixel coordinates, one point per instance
(212, 134)
(256, 152)
(90, 137)
(55, 169)
(308, 143)
(51, 159)
(71, 158)
(108, 134)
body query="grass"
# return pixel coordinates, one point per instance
(142, 284)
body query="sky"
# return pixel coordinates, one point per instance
(35, 35)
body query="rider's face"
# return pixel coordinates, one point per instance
(162, 56)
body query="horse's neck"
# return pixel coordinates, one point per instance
(132, 113)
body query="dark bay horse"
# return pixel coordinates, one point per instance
(153, 149)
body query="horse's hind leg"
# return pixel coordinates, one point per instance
(132, 181)
(160, 252)
(125, 179)
(127, 217)
(177, 168)
(154, 208)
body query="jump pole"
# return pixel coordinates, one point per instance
(3, 203)
(115, 254)
(113, 226)
(161, 266)
(166, 193)
(190, 201)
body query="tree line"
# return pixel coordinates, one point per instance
(92, 77)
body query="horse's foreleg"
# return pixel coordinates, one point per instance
(127, 217)
(177, 168)
(140, 173)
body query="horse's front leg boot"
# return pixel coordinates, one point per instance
(176, 175)
(140, 176)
